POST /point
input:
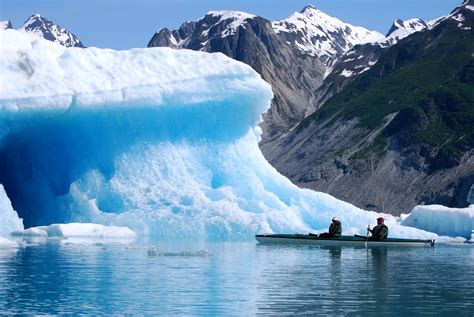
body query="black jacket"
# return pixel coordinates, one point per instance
(380, 232)
(335, 229)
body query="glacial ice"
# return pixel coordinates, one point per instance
(442, 220)
(9, 220)
(161, 141)
(7, 243)
(85, 231)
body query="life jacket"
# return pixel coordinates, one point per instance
(335, 229)
(377, 229)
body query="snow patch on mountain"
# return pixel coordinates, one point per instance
(238, 20)
(347, 73)
(432, 22)
(457, 15)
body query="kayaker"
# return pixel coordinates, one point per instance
(335, 229)
(380, 231)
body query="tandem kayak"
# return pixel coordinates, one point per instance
(355, 240)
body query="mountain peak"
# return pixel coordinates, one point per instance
(32, 18)
(401, 29)
(45, 28)
(398, 23)
(230, 21)
(308, 7)
(409, 26)
(319, 34)
(231, 14)
(5, 25)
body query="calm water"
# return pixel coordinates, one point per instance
(238, 279)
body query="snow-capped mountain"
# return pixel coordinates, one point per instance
(43, 27)
(293, 55)
(401, 29)
(394, 134)
(318, 34)
(5, 25)
(196, 35)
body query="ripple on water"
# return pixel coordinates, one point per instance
(235, 279)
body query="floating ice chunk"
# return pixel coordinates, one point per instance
(9, 220)
(153, 251)
(442, 220)
(451, 240)
(79, 230)
(32, 232)
(7, 244)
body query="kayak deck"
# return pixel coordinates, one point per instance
(343, 240)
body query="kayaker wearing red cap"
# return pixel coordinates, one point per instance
(380, 231)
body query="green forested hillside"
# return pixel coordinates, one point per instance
(428, 78)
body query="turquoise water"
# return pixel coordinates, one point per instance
(237, 279)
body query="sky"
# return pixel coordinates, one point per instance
(123, 24)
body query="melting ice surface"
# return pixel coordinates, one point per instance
(161, 141)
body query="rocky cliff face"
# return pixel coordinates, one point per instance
(398, 134)
(356, 61)
(293, 55)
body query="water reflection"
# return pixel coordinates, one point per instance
(379, 265)
(348, 280)
(308, 287)
(238, 279)
(335, 253)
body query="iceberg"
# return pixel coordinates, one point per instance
(75, 234)
(9, 220)
(78, 230)
(442, 220)
(7, 244)
(162, 141)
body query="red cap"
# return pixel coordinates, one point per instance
(380, 218)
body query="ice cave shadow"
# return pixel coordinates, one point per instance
(46, 153)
